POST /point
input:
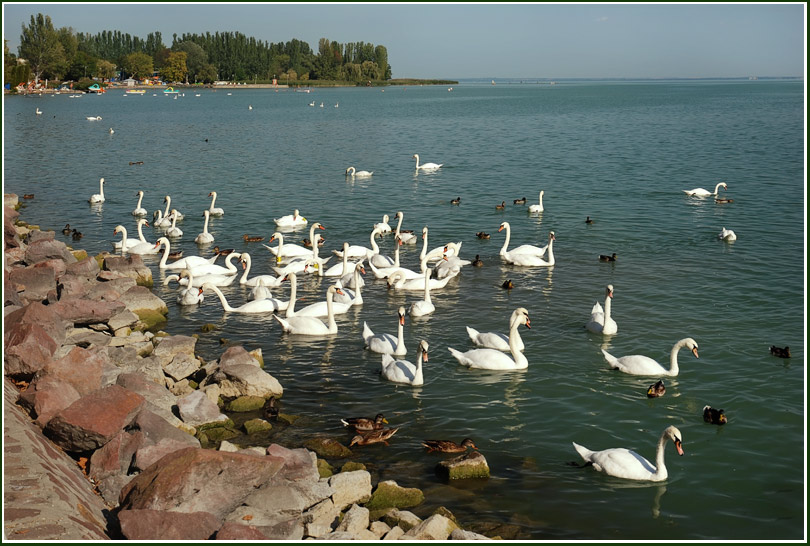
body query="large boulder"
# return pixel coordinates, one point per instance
(28, 348)
(150, 309)
(130, 266)
(44, 316)
(34, 282)
(47, 397)
(350, 488)
(80, 311)
(248, 380)
(42, 250)
(80, 368)
(469, 465)
(163, 525)
(436, 527)
(389, 494)
(196, 409)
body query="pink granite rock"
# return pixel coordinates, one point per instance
(163, 525)
(46, 398)
(82, 311)
(28, 348)
(236, 531)
(80, 368)
(44, 316)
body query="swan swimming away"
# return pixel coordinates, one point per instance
(205, 237)
(384, 227)
(98, 197)
(291, 220)
(494, 340)
(214, 211)
(700, 192)
(174, 231)
(189, 262)
(624, 463)
(402, 371)
(644, 365)
(492, 359)
(727, 235)
(426, 166)
(354, 173)
(139, 210)
(601, 322)
(538, 207)
(386, 343)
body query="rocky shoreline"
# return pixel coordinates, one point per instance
(109, 427)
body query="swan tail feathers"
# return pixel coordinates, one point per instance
(612, 360)
(583, 451)
(458, 355)
(473, 333)
(284, 324)
(367, 333)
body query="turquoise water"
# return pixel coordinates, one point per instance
(620, 153)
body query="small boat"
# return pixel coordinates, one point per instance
(136, 91)
(170, 90)
(96, 88)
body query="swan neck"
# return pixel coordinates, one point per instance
(293, 290)
(608, 300)
(673, 359)
(508, 236)
(660, 467)
(427, 285)
(165, 257)
(424, 246)
(213, 200)
(221, 296)
(243, 279)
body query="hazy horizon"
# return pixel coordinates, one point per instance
(487, 41)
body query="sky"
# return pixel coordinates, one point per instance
(485, 40)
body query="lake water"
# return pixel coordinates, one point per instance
(619, 152)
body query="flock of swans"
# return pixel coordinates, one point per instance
(437, 267)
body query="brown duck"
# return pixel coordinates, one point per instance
(482, 235)
(365, 424)
(447, 446)
(606, 258)
(374, 437)
(780, 352)
(657, 389)
(714, 416)
(501, 206)
(249, 239)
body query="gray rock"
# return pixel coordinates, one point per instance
(181, 366)
(42, 250)
(350, 488)
(250, 380)
(237, 355)
(436, 527)
(196, 409)
(354, 520)
(461, 534)
(403, 519)
(394, 534)
(379, 528)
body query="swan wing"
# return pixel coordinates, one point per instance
(484, 359)
(398, 371)
(635, 364)
(619, 462)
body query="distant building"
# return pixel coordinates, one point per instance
(129, 82)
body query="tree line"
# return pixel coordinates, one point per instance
(64, 54)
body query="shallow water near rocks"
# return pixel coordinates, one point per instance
(619, 152)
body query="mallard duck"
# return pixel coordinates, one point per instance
(307, 243)
(588, 220)
(365, 424)
(270, 409)
(77, 235)
(477, 261)
(606, 258)
(176, 255)
(456, 201)
(780, 352)
(67, 229)
(482, 235)
(714, 416)
(501, 206)
(249, 239)
(136, 162)
(657, 389)
(507, 284)
(28, 196)
(374, 437)
(520, 201)
(724, 201)
(222, 252)
(446, 446)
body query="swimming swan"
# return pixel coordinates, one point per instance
(494, 340)
(623, 463)
(205, 237)
(214, 211)
(492, 359)
(408, 237)
(174, 231)
(266, 280)
(386, 343)
(402, 371)
(313, 326)
(291, 250)
(189, 262)
(539, 206)
(291, 220)
(251, 307)
(424, 306)
(538, 251)
(727, 235)
(700, 192)
(361, 252)
(426, 166)
(190, 295)
(127, 244)
(354, 173)
(643, 365)
(601, 322)
(98, 197)
(217, 279)
(139, 210)
(527, 259)
(169, 209)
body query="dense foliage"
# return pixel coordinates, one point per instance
(197, 58)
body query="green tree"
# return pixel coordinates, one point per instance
(207, 74)
(381, 54)
(175, 69)
(70, 46)
(196, 58)
(106, 70)
(9, 63)
(82, 65)
(40, 46)
(138, 65)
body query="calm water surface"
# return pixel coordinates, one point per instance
(620, 153)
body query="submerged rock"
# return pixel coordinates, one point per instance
(469, 465)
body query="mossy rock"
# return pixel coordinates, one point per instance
(224, 341)
(203, 438)
(469, 465)
(193, 384)
(99, 258)
(257, 354)
(151, 318)
(217, 424)
(286, 418)
(351, 466)
(161, 333)
(442, 511)
(256, 425)
(218, 434)
(390, 495)
(79, 255)
(327, 448)
(245, 403)
(208, 327)
(142, 280)
(325, 469)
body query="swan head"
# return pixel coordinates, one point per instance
(609, 290)
(551, 236)
(139, 193)
(690, 344)
(212, 194)
(675, 435)
(162, 241)
(334, 290)
(423, 349)
(523, 317)
(503, 225)
(424, 232)
(350, 170)
(401, 313)
(101, 181)
(118, 229)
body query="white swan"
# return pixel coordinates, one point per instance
(450, 265)
(169, 209)
(205, 237)
(266, 280)
(384, 272)
(354, 173)
(217, 279)
(408, 237)
(39, 112)
(727, 235)
(492, 359)
(528, 259)
(313, 326)
(538, 207)
(190, 295)
(160, 221)
(384, 227)
(212, 210)
(386, 343)
(291, 220)
(126, 244)
(353, 297)
(260, 292)
(321, 308)
(361, 252)
(700, 192)
(424, 306)
(139, 210)
(643, 365)
(93, 118)
(426, 166)
(494, 340)
(290, 250)
(343, 268)
(251, 307)
(600, 321)
(98, 197)
(402, 371)
(189, 262)
(538, 251)
(623, 463)
(397, 281)
(174, 231)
